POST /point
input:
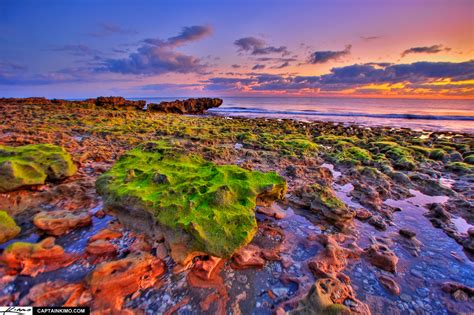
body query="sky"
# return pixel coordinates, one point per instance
(340, 48)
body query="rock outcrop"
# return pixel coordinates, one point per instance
(32, 165)
(60, 222)
(189, 106)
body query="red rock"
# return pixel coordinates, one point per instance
(332, 259)
(105, 234)
(111, 282)
(101, 248)
(363, 214)
(189, 106)
(31, 259)
(390, 284)
(381, 256)
(54, 293)
(60, 222)
(249, 256)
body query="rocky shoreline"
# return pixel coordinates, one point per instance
(367, 217)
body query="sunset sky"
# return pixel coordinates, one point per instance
(395, 48)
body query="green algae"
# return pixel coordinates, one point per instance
(400, 156)
(460, 167)
(8, 227)
(353, 155)
(212, 203)
(33, 165)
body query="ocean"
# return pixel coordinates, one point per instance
(416, 114)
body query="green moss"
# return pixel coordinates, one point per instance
(296, 146)
(460, 167)
(32, 165)
(212, 203)
(400, 156)
(469, 159)
(353, 155)
(8, 228)
(437, 154)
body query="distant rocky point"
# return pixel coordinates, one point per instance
(189, 106)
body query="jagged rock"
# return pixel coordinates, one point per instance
(31, 259)
(60, 222)
(32, 165)
(189, 106)
(55, 293)
(8, 227)
(332, 259)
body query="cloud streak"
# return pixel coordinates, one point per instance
(257, 46)
(434, 49)
(319, 57)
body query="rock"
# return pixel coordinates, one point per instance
(378, 222)
(111, 282)
(389, 284)
(117, 103)
(322, 199)
(102, 248)
(249, 256)
(105, 234)
(205, 268)
(455, 289)
(31, 259)
(437, 211)
(407, 233)
(212, 205)
(55, 293)
(8, 227)
(32, 165)
(189, 106)
(330, 296)
(332, 259)
(381, 256)
(60, 222)
(363, 214)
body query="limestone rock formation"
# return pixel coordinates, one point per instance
(189, 106)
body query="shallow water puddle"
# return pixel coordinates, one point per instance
(420, 278)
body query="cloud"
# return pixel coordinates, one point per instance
(258, 67)
(319, 57)
(235, 66)
(108, 29)
(425, 50)
(157, 56)
(79, 50)
(370, 38)
(257, 46)
(355, 76)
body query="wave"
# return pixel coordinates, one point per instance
(250, 110)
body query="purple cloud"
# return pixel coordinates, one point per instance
(157, 56)
(108, 29)
(425, 50)
(319, 57)
(256, 46)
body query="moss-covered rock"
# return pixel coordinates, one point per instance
(214, 204)
(460, 167)
(469, 159)
(8, 227)
(400, 156)
(33, 165)
(323, 200)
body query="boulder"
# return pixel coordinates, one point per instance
(60, 222)
(201, 207)
(33, 165)
(382, 257)
(189, 106)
